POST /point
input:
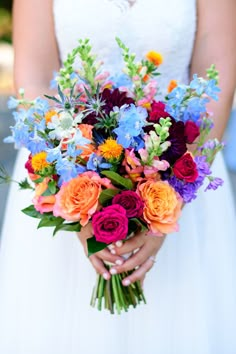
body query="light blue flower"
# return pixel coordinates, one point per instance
(67, 170)
(121, 81)
(20, 134)
(95, 163)
(53, 154)
(131, 121)
(36, 144)
(72, 150)
(212, 89)
(41, 105)
(12, 103)
(137, 143)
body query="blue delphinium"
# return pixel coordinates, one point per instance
(131, 121)
(96, 163)
(12, 103)
(67, 170)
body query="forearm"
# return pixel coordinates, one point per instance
(216, 44)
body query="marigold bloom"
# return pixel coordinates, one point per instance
(49, 115)
(39, 161)
(110, 149)
(154, 57)
(172, 84)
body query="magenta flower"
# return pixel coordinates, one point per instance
(110, 224)
(131, 202)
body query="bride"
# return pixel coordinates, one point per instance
(45, 282)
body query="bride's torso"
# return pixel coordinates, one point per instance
(167, 26)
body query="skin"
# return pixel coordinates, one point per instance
(215, 42)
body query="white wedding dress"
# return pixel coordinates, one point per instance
(46, 282)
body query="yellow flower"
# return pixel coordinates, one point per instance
(154, 57)
(49, 115)
(110, 149)
(39, 161)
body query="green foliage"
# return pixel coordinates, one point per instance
(71, 227)
(94, 246)
(25, 184)
(106, 195)
(118, 180)
(212, 73)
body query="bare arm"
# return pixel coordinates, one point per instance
(36, 53)
(216, 44)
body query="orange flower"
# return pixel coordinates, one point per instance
(77, 199)
(162, 206)
(39, 161)
(172, 85)
(49, 115)
(43, 204)
(88, 149)
(154, 57)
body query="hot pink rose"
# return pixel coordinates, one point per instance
(110, 224)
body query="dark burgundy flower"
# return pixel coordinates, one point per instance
(191, 131)
(131, 202)
(112, 99)
(28, 165)
(186, 169)
(157, 112)
(178, 142)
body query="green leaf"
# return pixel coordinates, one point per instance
(50, 220)
(25, 184)
(72, 227)
(95, 246)
(107, 194)
(142, 227)
(52, 187)
(30, 211)
(117, 179)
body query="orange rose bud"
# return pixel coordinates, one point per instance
(162, 206)
(172, 85)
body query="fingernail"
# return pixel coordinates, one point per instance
(118, 262)
(119, 243)
(111, 246)
(106, 276)
(126, 282)
(113, 271)
(113, 251)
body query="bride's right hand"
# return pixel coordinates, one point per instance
(98, 258)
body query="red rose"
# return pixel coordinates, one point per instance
(131, 202)
(185, 168)
(191, 131)
(28, 165)
(157, 112)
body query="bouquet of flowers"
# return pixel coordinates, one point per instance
(106, 152)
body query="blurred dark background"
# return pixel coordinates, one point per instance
(7, 152)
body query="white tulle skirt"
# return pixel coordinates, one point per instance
(46, 284)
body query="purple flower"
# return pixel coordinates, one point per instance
(214, 183)
(131, 202)
(202, 165)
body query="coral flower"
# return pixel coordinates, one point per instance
(49, 115)
(77, 199)
(162, 206)
(172, 84)
(39, 162)
(110, 149)
(154, 57)
(88, 149)
(43, 204)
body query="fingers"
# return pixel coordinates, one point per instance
(106, 255)
(130, 245)
(139, 273)
(99, 266)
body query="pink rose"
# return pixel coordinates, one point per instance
(110, 224)
(43, 204)
(131, 202)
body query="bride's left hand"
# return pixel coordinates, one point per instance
(142, 260)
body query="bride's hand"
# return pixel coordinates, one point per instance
(147, 248)
(98, 258)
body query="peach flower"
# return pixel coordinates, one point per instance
(43, 204)
(162, 206)
(77, 199)
(88, 149)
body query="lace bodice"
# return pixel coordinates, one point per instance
(167, 26)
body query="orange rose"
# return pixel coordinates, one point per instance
(77, 199)
(43, 204)
(86, 130)
(162, 206)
